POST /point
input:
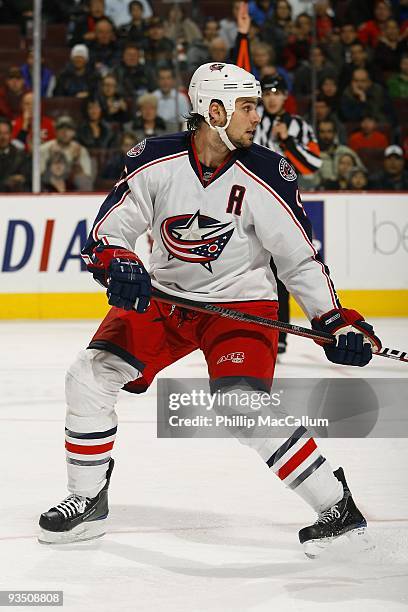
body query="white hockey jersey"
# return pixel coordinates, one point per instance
(213, 240)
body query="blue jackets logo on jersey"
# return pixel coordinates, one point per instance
(195, 238)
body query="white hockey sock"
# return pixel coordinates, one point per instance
(93, 383)
(300, 465)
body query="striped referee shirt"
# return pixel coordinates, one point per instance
(300, 148)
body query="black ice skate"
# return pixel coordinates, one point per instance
(344, 518)
(76, 518)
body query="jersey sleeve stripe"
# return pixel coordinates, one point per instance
(289, 211)
(97, 226)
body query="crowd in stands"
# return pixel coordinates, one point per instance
(114, 73)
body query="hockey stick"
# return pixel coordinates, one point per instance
(296, 330)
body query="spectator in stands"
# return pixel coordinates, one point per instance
(134, 78)
(199, 51)
(302, 85)
(339, 51)
(370, 31)
(299, 44)
(330, 152)
(78, 79)
(362, 96)
(324, 20)
(398, 83)
(279, 27)
(173, 105)
(15, 164)
(12, 93)
(393, 177)
(359, 59)
(113, 104)
(118, 11)
(358, 180)
(329, 90)
(218, 50)
(114, 167)
(104, 49)
(157, 47)
(264, 55)
(180, 28)
(368, 136)
(47, 76)
(82, 30)
(148, 122)
(95, 133)
(55, 178)
(260, 11)
(344, 169)
(389, 49)
(228, 26)
(77, 156)
(325, 112)
(22, 127)
(134, 30)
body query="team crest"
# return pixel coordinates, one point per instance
(214, 67)
(195, 238)
(137, 150)
(286, 170)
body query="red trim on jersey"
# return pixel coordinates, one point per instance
(298, 458)
(157, 161)
(199, 168)
(88, 450)
(288, 209)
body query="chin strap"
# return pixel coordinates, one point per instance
(222, 131)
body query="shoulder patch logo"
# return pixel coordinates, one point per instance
(286, 170)
(137, 150)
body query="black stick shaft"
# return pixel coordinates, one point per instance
(237, 315)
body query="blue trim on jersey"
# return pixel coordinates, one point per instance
(156, 147)
(264, 163)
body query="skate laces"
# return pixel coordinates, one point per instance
(328, 515)
(73, 504)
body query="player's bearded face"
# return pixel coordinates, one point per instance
(241, 130)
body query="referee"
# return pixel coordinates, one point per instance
(290, 136)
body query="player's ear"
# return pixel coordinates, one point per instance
(217, 113)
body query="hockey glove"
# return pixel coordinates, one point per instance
(356, 340)
(127, 281)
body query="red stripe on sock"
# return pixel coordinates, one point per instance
(294, 462)
(88, 450)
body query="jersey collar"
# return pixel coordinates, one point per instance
(196, 165)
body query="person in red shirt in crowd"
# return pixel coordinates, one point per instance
(324, 20)
(368, 136)
(370, 31)
(11, 94)
(22, 127)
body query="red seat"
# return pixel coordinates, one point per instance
(10, 37)
(55, 107)
(55, 35)
(372, 159)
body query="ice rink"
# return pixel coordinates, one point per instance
(195, 525)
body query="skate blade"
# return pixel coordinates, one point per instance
(80, 533)
(359, 538)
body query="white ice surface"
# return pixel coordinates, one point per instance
(195, 525)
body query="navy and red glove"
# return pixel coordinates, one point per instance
(356, 340)
(127, 281)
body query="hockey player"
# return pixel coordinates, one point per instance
(218, 207)
(292, 137)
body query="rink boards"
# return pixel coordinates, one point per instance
(363, 238)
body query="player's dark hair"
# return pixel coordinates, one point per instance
(195, 121)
